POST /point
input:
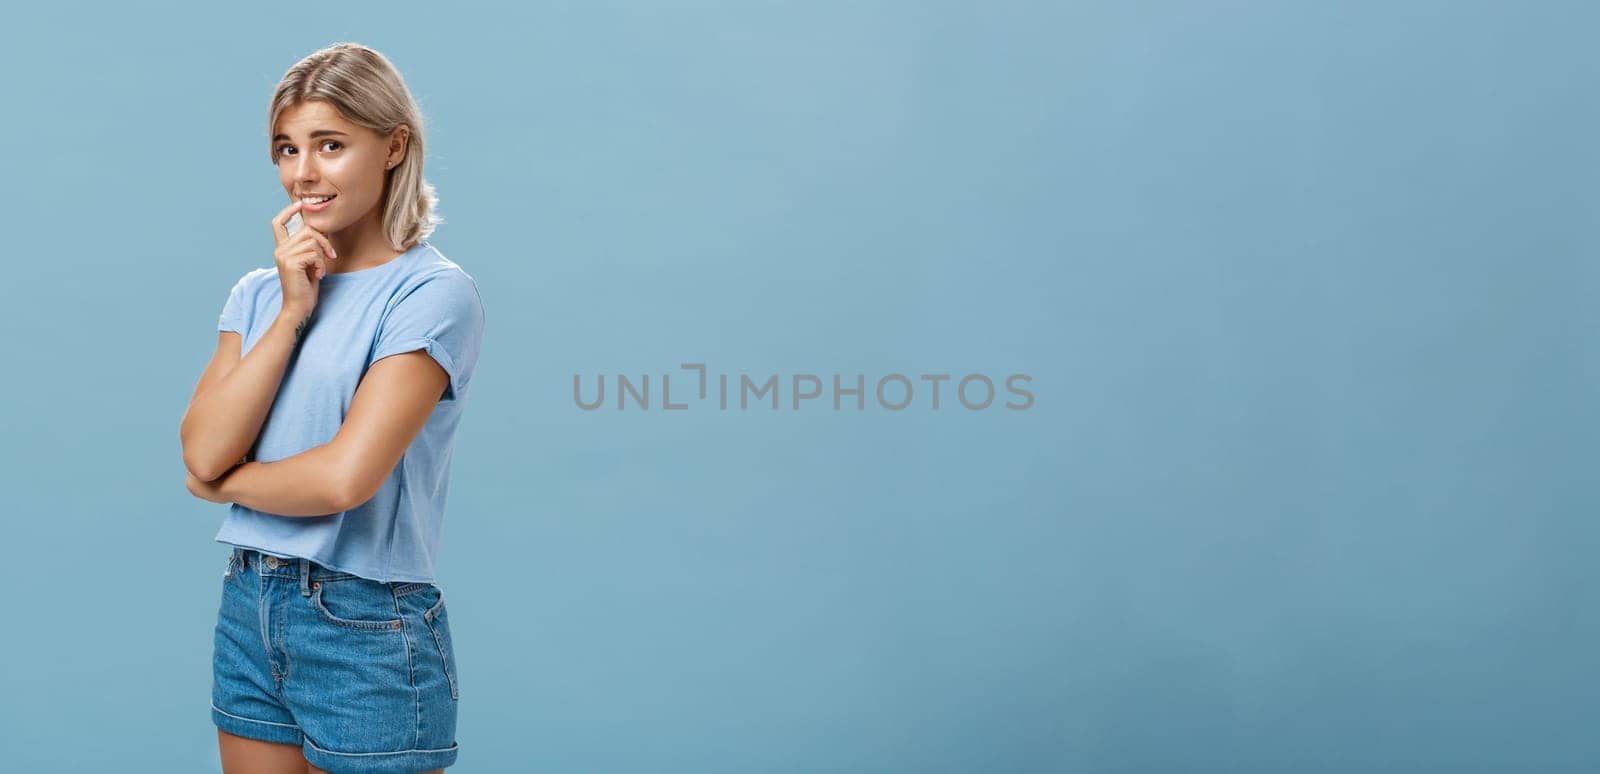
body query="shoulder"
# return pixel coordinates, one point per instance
(253, 279)
(439, 280)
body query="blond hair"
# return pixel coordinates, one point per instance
(367, 89)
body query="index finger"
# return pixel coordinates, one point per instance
(280, 224)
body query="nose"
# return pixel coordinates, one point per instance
(305, 171)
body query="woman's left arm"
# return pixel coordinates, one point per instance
(390, 407)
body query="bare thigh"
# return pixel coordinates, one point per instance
(241, 755)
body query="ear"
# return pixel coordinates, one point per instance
(399, 139)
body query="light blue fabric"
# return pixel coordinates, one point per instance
(419, 300)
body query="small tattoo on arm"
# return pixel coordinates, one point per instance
(300, 330)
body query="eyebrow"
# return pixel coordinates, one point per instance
(314, 135)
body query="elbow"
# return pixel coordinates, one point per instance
(205, 466)
(347, 478)
(346, 493)
(347, 488)
(200, 468)
(195, 458)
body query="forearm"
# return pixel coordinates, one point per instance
(311, 483)
(222, 423)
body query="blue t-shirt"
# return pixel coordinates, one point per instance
(419, 300)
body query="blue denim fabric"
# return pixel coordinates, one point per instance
(360, 674)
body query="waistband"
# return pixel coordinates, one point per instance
(299, 568)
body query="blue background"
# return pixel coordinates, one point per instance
(1306, 291)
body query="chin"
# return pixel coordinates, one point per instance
(324, 222)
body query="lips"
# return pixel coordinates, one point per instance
(308, 207)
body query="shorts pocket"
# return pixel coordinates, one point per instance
(439, 624)
(356, 603)
(402, 588)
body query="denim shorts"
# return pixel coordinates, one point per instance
(361, 674)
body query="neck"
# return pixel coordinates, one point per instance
(360, 245)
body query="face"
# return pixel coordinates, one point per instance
(318, 152)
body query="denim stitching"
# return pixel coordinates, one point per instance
(437, 606)
(365, 626)
(338, 575)
(252, 720)
(295, 576)
(411, 668)
(283, 626)
(318, 577)
(444, 657)
(320, 748)
(261, 622)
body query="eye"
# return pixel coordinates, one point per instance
(282, 148)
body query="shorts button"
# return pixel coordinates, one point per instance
(316, 585)
(396, 624)
(272, 561)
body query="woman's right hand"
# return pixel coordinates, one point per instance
(302, 259)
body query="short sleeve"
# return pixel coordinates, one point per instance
(442, 316)
(234, 316)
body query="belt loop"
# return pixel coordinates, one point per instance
(305, 577)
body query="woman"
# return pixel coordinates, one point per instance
(326, 418)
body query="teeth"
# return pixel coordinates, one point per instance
(309, 200)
